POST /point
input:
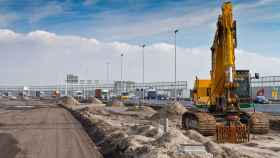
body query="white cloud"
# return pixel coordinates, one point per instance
(43, 57)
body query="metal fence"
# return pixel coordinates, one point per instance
(268, 85)
(116, 88)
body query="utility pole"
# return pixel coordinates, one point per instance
(121, 66)
(175, 62)
(122, 88)
(143, 71)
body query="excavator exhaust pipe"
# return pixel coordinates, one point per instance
(232, 134)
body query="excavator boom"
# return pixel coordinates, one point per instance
(223, 56)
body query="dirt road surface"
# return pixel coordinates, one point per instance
(33, 129)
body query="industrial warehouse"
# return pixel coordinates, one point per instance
(66, 94)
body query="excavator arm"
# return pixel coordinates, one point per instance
(223, 61)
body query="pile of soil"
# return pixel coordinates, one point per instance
(116, 103)
(175, 108)
(172, 111)
(145, 130)
(69, 102)
(142, 141)
(98, 110)
(144, 112)
(94, 100)
(147, 109)
(147, 140)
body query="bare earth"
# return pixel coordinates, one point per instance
(125, 132)
(32, 129)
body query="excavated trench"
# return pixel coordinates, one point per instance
(101, 133)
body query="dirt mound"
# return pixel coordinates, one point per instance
(146, 130)
(196, 136)
(69, 102)
(144, 112)
(142, 141)
(147, 109)
(99, 110)
(176, 144)
(237, 151)
(175, 108)
(115, 102)
(94, 100)
(149, 141)
(172, 111)
(230, 150)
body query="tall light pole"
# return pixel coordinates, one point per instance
(121, 66)
(122, 72)
(175, 62)
(143, 71)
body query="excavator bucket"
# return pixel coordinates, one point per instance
(232, 134)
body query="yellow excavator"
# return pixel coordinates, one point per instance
(223, 92)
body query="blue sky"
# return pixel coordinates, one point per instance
(90, 33)
(149, 21)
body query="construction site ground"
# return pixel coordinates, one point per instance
(41, 129)
(121, 131)
(35, 128)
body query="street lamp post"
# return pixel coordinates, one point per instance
(143, 72)
(121, 67)
(122, 72)
(175, 62)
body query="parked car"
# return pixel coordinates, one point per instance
(162, 97)
(262, 100)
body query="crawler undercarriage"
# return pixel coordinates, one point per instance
(210, 124)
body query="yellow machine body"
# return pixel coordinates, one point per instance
(201, 92)
(218, 92)
(223, 61)
(222, 93)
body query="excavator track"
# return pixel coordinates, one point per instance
(201, 121)
(258, 123)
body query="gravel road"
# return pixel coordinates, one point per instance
(33, 129)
